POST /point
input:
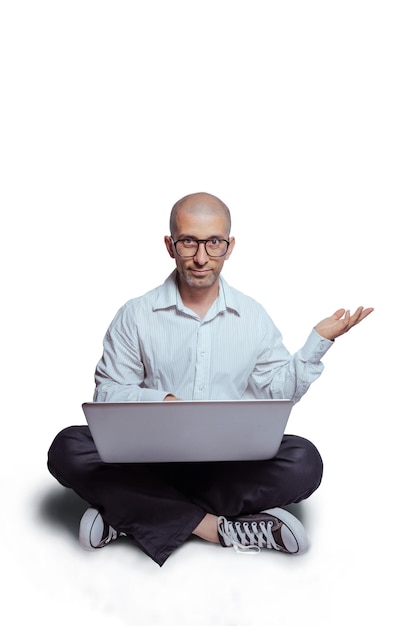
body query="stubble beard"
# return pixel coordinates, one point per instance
(194, 282)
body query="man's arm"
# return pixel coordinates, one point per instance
(120, 373)
(289, 376)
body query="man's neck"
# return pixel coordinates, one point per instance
(198, 300)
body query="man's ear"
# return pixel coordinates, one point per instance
(231, 246)
(169, 246)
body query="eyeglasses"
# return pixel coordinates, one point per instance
(188, 247)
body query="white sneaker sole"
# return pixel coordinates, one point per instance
(293, 532)
(91, 524)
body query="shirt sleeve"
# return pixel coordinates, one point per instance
(279, 374)
(120, 373)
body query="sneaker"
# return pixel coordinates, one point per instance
(95, 532)
(275, 529)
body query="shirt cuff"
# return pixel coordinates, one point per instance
(128, 393)
(153, 395)
(315, 347)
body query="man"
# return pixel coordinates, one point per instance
(195, 337)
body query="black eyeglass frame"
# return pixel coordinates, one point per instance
(198, 242)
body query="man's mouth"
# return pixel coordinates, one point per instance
(199, 272)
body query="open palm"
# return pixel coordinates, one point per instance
(340, 322)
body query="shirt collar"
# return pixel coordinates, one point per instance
(169, 296)
(167, 293)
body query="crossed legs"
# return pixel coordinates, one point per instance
(160, 505)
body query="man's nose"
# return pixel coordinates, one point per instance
(201, 256)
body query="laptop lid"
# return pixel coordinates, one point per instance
(187, 431)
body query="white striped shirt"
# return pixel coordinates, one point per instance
(156, 346)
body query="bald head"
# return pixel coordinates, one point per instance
(198, 203)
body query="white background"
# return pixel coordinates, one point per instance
(301, 116)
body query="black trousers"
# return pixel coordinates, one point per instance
(160, 504)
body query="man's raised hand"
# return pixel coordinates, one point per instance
(340, 322)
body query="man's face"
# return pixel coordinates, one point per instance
(200, 271)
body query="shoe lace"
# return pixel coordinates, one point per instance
(247, 538)
(112, 534)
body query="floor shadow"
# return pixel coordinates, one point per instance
(62, 507)
(299, 511)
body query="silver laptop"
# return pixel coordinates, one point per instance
(187, 431)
